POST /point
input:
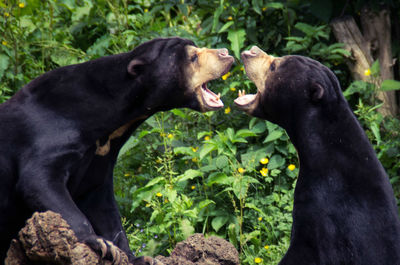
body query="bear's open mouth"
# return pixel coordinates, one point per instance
(210, 99)
(244, 100)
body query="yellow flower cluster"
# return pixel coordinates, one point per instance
(264, 171)
(227, 110)
(225, 76)
(206, 138)
(257, 260)
(241, 170)
(264, 161)
(21, 5)
(159, 194)
(291, 167)
(367, 72)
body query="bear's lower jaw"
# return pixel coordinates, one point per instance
(210, 101)
(245, 102)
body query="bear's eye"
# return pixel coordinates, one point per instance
(194, 58)
(272, 66)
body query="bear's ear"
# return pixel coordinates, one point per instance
(135, 67)
(316, 92)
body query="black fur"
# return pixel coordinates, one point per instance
(344, 211)
(49, 129)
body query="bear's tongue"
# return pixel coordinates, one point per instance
(244, 99)
(210, 98)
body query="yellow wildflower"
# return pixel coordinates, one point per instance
(4, 43)
(240, 170)
(266, 247)
(225, 76)
(258, 260)
(207, 138)
(264, 160)
(260, 218)
(127, 174)
(21, 5)
(264, 171)
(242, 68)
(233, 89)
(194, 149)
(159, 194)
(367, 72)
(230, 18)
(291, 167)
(146, 10)
(193, 187)
(227, 110)
(170, 136)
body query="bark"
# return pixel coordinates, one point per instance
(373, 44)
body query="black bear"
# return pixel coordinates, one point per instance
(344, 210)
(61, 133)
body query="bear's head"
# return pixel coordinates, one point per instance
(287, 87)
(174, 72)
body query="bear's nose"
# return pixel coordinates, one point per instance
(223, 52)
(255, 50)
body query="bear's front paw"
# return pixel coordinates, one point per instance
(146, 261)
(105, 249)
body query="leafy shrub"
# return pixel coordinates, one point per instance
(220, 173)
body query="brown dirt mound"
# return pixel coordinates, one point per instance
(48, 239)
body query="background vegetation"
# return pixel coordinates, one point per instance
(220, 173)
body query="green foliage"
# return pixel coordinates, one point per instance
(220, 173)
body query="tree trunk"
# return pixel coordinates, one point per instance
(373, 44)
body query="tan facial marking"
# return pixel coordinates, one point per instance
(205, 65)
(257, 67)
(103, 150)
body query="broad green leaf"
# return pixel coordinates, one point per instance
(276, 161)
(388, 85)
(205, 203)
(245, 133)
(222, 161)
(217, 14)
(256, 6)
(307, 29)
(275, 5)
(4, 61)
(219, 222)
(186, 228)
(273, 136)
(207, 148)
(226, 26)
(230, 133)
(155, 181)
(375, 68)
(375, 130)
(179, 113)
(233, 234)
(237, 38)
(132, 142)
(189, 174)
(218, 178)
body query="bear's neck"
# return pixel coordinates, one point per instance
(334, 147)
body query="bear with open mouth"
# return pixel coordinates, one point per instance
(61, 133)
(344, 209)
